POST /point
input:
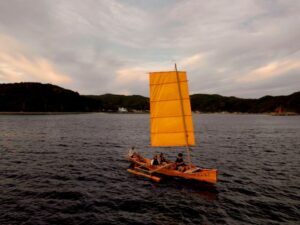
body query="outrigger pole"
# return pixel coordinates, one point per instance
(183, 119)
(155, 178)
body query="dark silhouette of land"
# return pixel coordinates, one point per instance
(37, 97)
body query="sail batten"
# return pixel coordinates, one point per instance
(172, 132)
(175, 99)
(182, 81)
(168, 116)
(171, 116)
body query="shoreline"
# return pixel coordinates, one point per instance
(43, 113)
(196, 113)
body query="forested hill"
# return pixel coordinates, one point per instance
(218, 103)
(37, 97)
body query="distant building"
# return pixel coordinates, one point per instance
(122, 110)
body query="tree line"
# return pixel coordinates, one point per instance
(37, 97)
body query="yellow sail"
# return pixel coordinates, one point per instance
(171, 116)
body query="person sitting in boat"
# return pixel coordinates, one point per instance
(131, 152)
(154, 161)
(180, 165)
(136, 157)
(162, 159)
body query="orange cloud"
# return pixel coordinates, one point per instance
(17, 64)
(193, 60)
(270, 70)
(140, 73)
(128, 75)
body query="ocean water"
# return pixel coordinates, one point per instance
(71, 169)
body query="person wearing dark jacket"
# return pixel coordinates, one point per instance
(180, 163)
(154, 161)
(162, 159)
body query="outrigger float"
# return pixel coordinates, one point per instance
(171, 126)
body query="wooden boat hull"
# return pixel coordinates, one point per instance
(195, 173)
(204, 175)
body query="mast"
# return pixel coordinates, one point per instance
(183, 119)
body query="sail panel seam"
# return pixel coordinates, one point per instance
(177, 132)
(167, 100)
(169, 116)
(182, 81)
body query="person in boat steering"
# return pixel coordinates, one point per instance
(131, 152)
(133, 156)
(136, 157)
(180, 165)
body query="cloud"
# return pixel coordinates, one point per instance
(192, 60)
(17, 65)
(135, 74)
(270, 71)
(238, 48)
(135, 78)
(140, 72)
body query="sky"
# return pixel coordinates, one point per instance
(243, 48)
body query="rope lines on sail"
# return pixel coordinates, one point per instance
(183, 118)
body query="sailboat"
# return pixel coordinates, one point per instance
(171, 126)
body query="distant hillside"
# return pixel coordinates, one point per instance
(218, 103)
(37, 97)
